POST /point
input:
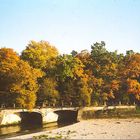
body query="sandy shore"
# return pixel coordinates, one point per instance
(95, 129)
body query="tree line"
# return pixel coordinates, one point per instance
(41, 76)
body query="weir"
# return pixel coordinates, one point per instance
(47, 115)
(37, 116)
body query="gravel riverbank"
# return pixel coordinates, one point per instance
(94, 129)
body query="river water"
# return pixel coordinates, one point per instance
(11, 131)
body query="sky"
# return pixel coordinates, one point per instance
(71, 24)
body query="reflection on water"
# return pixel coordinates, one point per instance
(9, 131)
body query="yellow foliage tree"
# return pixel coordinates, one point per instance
(18, 78)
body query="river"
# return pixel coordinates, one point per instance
(16, 130)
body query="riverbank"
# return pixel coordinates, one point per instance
(93, 129)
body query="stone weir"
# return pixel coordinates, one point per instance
(37, 116)
(48, 115)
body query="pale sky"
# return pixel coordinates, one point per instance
(71, 24)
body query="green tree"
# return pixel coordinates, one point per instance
(48, 92)
(70, 76)
(39, 54)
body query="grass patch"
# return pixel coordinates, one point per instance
(46, 137)
(59, 135)
(138, 109)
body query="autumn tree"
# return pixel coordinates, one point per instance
(42, 76)
(8, 63)
(39, 54)
(104, 67)
(130, 77)
(48, 93)
(18, 79)
(26, 86)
